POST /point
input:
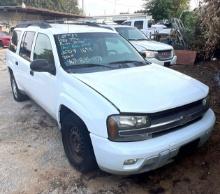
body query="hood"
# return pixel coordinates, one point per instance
(150, 45)
(147, 89)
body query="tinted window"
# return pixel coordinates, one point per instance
(139, 24)
(26, 45)
(43, 48)
(14, 41)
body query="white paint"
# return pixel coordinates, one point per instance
(146, 89)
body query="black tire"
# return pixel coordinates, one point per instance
(77, 144)
(17, 94)
(1, 44)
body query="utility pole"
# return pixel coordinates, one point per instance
(115, 4)
(83, 7)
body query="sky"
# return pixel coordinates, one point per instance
(107, 7)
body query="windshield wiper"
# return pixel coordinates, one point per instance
(89, 65)
(128, 61)
(137, 39)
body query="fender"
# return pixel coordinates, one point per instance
(94, 118)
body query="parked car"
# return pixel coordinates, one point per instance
(147, 26)
(113, 108)
(5, 39)
(153, 51)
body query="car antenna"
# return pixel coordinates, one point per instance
(68, 26)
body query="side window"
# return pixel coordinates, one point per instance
(43, 48)
(139, 24)
(14, 41)
(26, 45)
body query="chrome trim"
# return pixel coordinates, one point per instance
(161, 58)
(165, 123)
(164, 126)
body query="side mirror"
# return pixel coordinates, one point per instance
(42, 65)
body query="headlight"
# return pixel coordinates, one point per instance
(151, 54)
(127, 127)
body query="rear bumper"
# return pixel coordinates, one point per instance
(171, 61)
(150, 154)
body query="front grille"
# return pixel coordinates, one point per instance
(170, 120)
(164, 55)
(177, 117)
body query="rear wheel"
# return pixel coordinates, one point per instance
(17, 94)
(77, 144)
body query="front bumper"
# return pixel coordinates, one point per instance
(152, 153)
(163, 63)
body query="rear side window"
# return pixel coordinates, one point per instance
(43, 48)
(139, 24)
(14, 41)
(26, 45)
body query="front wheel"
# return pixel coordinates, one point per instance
(17, 94)
(77, 144)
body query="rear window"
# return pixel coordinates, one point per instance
(14, 41)
(26, 45)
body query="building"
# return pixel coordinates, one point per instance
(12, 15)
(120, 18)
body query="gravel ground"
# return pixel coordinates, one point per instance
(32, 158)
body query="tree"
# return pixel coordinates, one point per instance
(159, 9)
(210, 14)
(165, 9)
(69, 6)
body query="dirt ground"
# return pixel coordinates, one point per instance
(32, 158)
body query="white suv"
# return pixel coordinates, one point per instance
(114, 110)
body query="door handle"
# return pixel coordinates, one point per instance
(31, 73)
(16, 63)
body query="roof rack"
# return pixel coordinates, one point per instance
(46, 23)
(40, 24)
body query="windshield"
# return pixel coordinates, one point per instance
(131, 33)
(90, 52)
